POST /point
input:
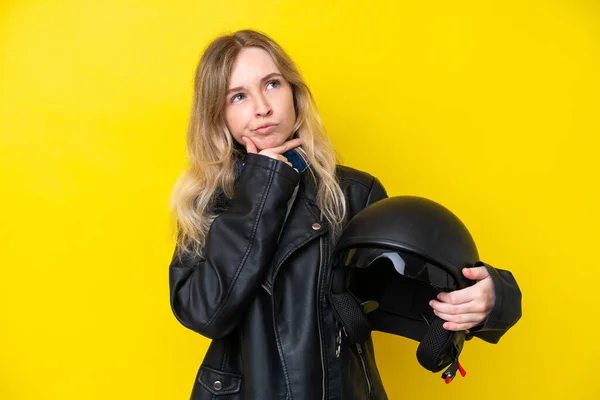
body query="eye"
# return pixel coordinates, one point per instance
(237, 98)
(273, 84)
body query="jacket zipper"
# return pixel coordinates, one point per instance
(364, 366)
(319, 315)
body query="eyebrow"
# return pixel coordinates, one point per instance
(266, 78)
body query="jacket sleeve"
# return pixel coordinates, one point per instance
(507, 308)
(209, 293)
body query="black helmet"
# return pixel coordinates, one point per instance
(391, 259)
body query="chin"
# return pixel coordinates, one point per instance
(269, 142)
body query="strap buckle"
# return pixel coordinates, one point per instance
(450, 373)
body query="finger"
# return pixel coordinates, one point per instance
(451, 308)
(468, 318)
(290, 144)
(250, 146)
(476, 273)
(453, 326)
(270, 153)
(475, 306)
(276, 156)
(459, 296)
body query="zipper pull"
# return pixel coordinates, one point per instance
(359, 347)
(338, 349)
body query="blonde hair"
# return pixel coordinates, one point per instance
(212, 152)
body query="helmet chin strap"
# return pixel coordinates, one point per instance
(440, 347)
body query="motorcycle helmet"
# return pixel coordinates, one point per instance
(391, 259)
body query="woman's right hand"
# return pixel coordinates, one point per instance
(274, 152)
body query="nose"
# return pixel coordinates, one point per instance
(263, 106)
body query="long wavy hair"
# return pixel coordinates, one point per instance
(212, 151)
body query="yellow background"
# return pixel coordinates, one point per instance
(490, 108)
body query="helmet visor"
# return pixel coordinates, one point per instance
(387, 263)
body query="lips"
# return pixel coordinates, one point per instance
(265, 128)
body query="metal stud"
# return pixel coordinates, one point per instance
(316, 226)
(217, 385)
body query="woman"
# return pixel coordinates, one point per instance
(258, 213)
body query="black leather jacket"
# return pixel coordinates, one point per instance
(260, 293)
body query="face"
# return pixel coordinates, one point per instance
(259, 103)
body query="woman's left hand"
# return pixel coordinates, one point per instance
(469, 307)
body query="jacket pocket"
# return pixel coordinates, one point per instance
(217, 383)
